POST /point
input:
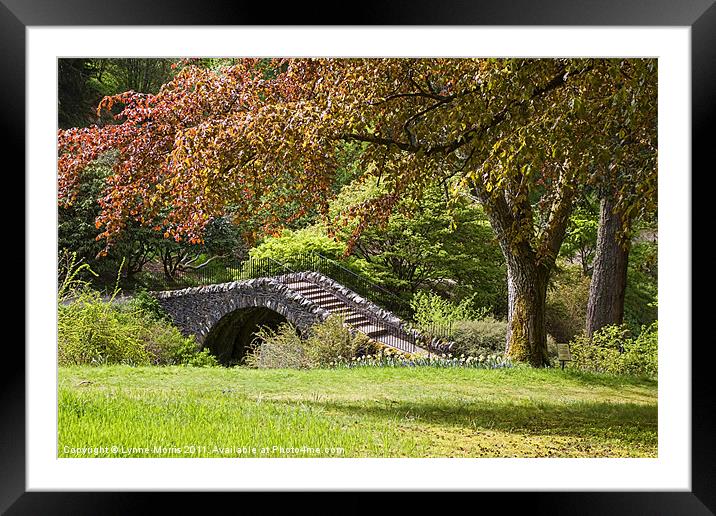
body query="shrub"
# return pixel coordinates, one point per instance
(167, 346)
(148, 305)
(330, 344)
(278, 349)
(640, 297)
(93, 331)
(72, 274)
(290, 244)
(612, 350)
(603, 353)
(331, 341)
(567, 297)
(641, 355)
(195, 358)
(479, 337)
(431, 309)
(328, 341)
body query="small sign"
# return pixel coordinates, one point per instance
(563, 353)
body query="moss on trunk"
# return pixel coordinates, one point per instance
(527, 335)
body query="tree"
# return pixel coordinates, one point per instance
(135, 74)
(627, 191)
(201, 145)
(76, 97)
(519, 134)
(425, 244)
(640, 298)
(136, 245)
(580, 242)
(82, 82)
(77, 231)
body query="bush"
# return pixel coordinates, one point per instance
(332, 341)
(479, 337)
(167, 346)
(431, 309)
(278, 349)
(291, 244)
(92, 331)
(612, 350)
(327, 342)
(640, 297)
(192, 357)
(641, 355)
(148, 305)
(567, 298)
(330, 344)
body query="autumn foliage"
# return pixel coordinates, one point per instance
(207, 140)
(261, 133)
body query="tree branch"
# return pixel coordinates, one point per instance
(470, 134)
(188, 266)
(558, 218)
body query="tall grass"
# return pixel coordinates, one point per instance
(95, 331)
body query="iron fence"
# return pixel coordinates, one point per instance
(315, 262)
(392, 336)
(218, 271)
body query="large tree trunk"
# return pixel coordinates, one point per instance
(529, 264)
(526, 330)
(609, 276)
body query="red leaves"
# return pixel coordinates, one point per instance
(261, 137)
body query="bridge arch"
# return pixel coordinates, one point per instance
(231, 337)
(224, 316)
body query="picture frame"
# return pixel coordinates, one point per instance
(700, 16)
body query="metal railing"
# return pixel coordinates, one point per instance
(219, 271)
(437, 330)
(390, 335)
(315, 262)
(379, 295)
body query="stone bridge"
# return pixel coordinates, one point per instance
(224, 317)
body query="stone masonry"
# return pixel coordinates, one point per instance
(196, 310)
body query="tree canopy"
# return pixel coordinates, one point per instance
(519, 135)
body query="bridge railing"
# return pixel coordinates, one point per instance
(315, 262)
(218, 271)
(392, 336)
(226, 270)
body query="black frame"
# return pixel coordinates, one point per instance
(699, 15)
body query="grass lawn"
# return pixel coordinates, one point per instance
(364, 412)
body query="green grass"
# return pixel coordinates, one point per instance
(363, 412)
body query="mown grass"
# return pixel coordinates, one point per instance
(363, 412)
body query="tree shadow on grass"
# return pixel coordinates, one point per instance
(608, 380)
(630, 422)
